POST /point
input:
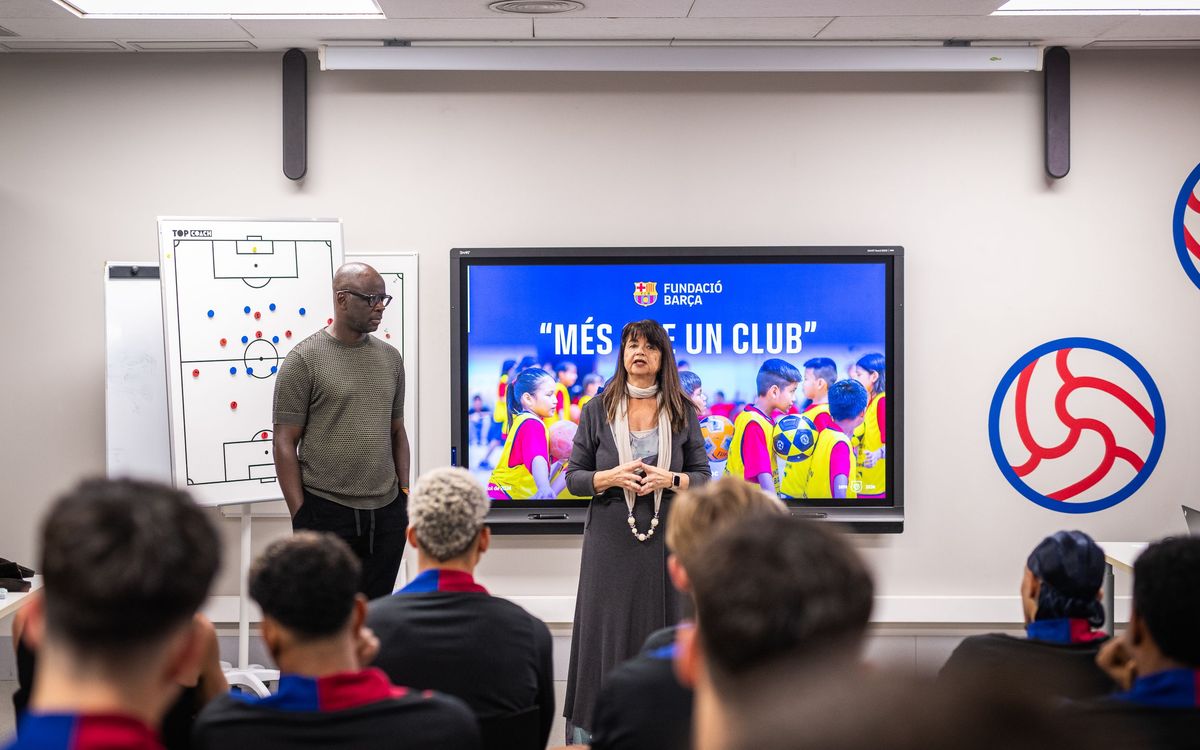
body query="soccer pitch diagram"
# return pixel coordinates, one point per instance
(237, 296)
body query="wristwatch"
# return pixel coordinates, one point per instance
(675, 481)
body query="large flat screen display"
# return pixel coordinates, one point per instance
(762, 337)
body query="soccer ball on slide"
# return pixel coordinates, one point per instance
(718, 436)
(562, 437)
(793, 438)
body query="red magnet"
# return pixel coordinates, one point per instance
(288, 334)
(195, 373)
(233, 404)
(257, 315)
(264, 436)
(223, 342)
(258, 334)
(330, 321)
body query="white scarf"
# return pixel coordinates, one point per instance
(620, 430)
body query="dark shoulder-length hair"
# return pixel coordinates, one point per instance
(679, 407)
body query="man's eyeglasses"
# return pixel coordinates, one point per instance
(371, 299)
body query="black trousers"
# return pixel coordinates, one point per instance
(376, 536)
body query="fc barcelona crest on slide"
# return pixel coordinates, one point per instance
(645, 293)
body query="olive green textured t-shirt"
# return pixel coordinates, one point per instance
(345, 396)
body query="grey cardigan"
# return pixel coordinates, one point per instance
(594, 449)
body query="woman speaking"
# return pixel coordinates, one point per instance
(637, 444)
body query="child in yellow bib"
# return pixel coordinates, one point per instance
(828, 473)
(819, 374)
(871, 438)
(523, 470)
(750, 454)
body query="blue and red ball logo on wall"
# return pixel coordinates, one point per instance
(1077, 425)
(1186, 226)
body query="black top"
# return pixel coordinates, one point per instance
(642, 705)
(351, 710)
(487, 651)
(1041, 669)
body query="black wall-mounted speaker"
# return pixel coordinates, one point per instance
(295, 114)
(1056, 69)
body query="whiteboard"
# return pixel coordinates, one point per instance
(137, 435)
(136, 439)
(399, 328)
(237, 294)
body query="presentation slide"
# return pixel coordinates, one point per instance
(725, 320)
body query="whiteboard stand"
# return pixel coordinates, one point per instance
(251, 676)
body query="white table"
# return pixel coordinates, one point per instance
(1116, 555)
(14, 600)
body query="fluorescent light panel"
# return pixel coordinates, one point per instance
(1099, 8)
(683, 59)
(222, 8)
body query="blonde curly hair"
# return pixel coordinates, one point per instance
(446, 511)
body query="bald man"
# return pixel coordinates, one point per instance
(341, 453)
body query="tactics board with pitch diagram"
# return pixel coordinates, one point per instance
(237, 296)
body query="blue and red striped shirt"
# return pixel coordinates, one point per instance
(335, 692)
(84, 732)
(440, 579)
(1063, 630)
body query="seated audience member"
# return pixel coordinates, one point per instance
(312, 624)
(1060, 593)
(125, 566)
(642, 704)
(443, 630)
(767, 590)
(792, 708)
(199, 686)
(1157, 659)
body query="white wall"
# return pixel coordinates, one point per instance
(999, 259)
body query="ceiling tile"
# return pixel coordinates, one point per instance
(479, 9)
(806, 8)
(1154, 27)
(1031, 28)
(409, 29)
(678, 28)
(77, 28)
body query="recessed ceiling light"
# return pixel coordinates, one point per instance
(223, 8)
(1099, 8)
(60, 46)
(535, 7)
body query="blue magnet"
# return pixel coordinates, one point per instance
(302, 311)
(211, 313)
(233, 371)
(245, 339)
(271, 307)
(249, 370)
(275, 339)
(273, 369)
(246, 309)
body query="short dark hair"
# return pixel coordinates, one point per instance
(124, 563)
(823, 368)
(847, 399)
(307, 582)
(769, 588)
(778, 372)
(689, 381)
(565, 366)
(1166, 594)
